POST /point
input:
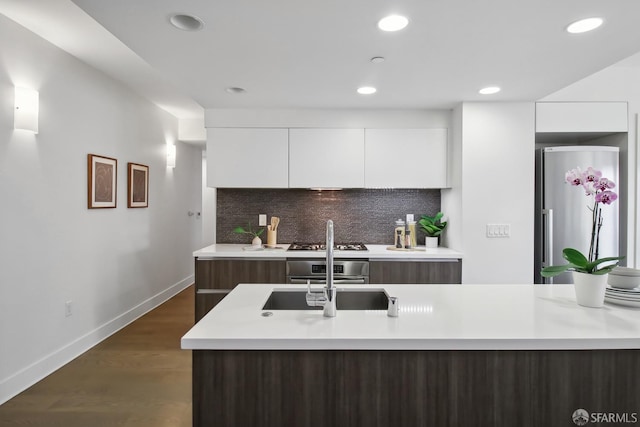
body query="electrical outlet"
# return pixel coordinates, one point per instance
(262, 220)
(67, 308)
(498, 230)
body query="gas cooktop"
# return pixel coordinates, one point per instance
(297, 246)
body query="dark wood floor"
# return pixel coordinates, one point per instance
(138, 377)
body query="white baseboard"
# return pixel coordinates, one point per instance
(35, 372)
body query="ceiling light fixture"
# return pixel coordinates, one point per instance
(367, 90)
(233, 89)
(186, 22)
(490, 90)
(377, 59)
(584, 25)
(393, 23)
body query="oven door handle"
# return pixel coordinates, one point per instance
(315, 281)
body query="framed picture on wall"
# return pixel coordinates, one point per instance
(102, 181)
(138, 186)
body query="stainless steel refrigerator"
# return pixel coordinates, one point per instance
(563, 217)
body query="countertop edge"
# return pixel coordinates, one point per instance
(415, 344)
(375, 252)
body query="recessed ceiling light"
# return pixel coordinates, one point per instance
(377, 59)
(186, 22)
(235, 90)
(393, 23)
(584, 25)
(366, 90)
(490, 90)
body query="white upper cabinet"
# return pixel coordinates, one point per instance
(406, 158)
(326, 158)
(247, 158)
(581, 117)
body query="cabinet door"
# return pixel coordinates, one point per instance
(206, 301)
(326, 158)
(247, 158)
(405, 158)
(225, 274)
(215, 278)
(581, 117)
(415, 272)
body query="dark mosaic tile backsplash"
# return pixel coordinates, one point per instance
(358, 215)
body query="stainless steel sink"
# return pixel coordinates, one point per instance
(347, 299)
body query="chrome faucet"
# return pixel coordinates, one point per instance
(326, 298)
(330, 305)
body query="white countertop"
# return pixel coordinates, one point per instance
(436, 317)
(228, 250)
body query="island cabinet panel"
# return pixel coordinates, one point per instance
(527, 388)
(418, 272)
(215, 278)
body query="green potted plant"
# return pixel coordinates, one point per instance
(589, 272)
(433, 228)
(256, 234)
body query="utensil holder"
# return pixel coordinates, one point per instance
(272, 238)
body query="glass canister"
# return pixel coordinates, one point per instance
(398, 234)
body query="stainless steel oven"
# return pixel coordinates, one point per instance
(314, 271)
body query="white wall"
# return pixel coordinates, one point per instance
(616, 83)
(209, 197)
(114, 264)
(497, 187)
(451, 198)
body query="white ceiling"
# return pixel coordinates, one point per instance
(315, 53)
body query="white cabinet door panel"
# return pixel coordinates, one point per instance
(247, 158)
(581, 117)
(326, 158)
(406, 158)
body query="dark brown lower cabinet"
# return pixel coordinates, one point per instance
(419, 272)
(527, 388)
(206, 300)
(218, 276)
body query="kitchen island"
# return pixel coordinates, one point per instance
(456, 355)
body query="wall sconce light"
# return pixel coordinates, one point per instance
(171, 155)
(26, 109)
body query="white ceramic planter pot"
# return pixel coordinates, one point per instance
(431, 242)
(590, 288)
(256, 241)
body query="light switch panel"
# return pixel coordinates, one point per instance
(498, 230)
(262, 219)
